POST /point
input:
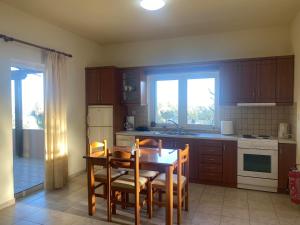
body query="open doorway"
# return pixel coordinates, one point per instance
(27, 92)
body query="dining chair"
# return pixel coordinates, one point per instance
(100, 175)
(149, 174)
(128, 184)
(180, 183)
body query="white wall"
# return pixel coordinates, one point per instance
(296, 48)
(85, 53)
(237, 44)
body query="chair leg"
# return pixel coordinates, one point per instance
(149, 199)
(186, 202)
(123, 199)
(160, 198)
(114, 207)
(179, 200)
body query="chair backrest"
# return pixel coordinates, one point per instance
(148, 142)
(183, 163)
(96, 146)
(124, 159)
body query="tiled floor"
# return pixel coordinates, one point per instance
(210, 205)
(28, 172)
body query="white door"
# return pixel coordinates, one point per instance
(101, 116)
(101, 133)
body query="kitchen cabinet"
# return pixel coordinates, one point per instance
(247, 82)
(266, 81)
(286, 160)
(211, 161)
(229, 80)
(210, 165)
(102, 86)
(285, 80)
(134, 86)
(260, 80)
(230, 163)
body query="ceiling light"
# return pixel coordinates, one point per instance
(152, 4)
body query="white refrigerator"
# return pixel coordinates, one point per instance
(100, 124)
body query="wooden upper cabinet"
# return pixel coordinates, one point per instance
(286, 160)
(92, 86)
(285, 80)
(102, 86)
(107, 86)
(229, 83)
(134, 87)
(248, 81)
(266, 81)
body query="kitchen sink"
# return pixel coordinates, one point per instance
(176, 133)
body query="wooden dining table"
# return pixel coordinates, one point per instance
(163, 160)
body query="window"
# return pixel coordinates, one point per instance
(166, 101)
(187, 99)
(201, 101)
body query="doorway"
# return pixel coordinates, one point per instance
(27, 91)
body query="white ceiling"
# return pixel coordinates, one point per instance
(115, 21)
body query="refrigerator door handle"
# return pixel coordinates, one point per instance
(88, 119)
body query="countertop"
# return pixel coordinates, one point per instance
(209, 136)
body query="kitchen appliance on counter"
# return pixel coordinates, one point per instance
(258, 163)
(227, 128)
(129, 124)
(283, 131)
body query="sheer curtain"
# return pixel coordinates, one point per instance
(56, 149)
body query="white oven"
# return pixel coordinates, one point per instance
(258, 164)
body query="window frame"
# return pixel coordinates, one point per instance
(182, 78)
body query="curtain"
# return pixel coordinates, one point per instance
(56, 149)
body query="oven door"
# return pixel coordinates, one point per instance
(258, 163)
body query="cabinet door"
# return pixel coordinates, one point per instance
(286, 160)
(230, 163)
(194, 162)
(92, 82)
(285, 80)
(134, 87)
(107, 86)
(229, 83)
(266, 81)
(247, 85)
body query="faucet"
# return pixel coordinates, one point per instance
(176, 125)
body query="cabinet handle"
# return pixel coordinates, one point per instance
(224, 147)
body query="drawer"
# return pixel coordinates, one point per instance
(125, 140)
(211, 159)
(211, 177)
(210, 150)
(210, 168)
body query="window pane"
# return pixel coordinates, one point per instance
(201, 101)
(33, 101)
(166, 101)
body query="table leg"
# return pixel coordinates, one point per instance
(91, 188)
(169, 195)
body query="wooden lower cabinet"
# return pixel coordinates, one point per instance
(230, 163)
(211, 161)
(286, 160)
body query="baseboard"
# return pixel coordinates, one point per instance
(7, 204)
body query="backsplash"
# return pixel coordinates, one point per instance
(246, 120)
(259, 120)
